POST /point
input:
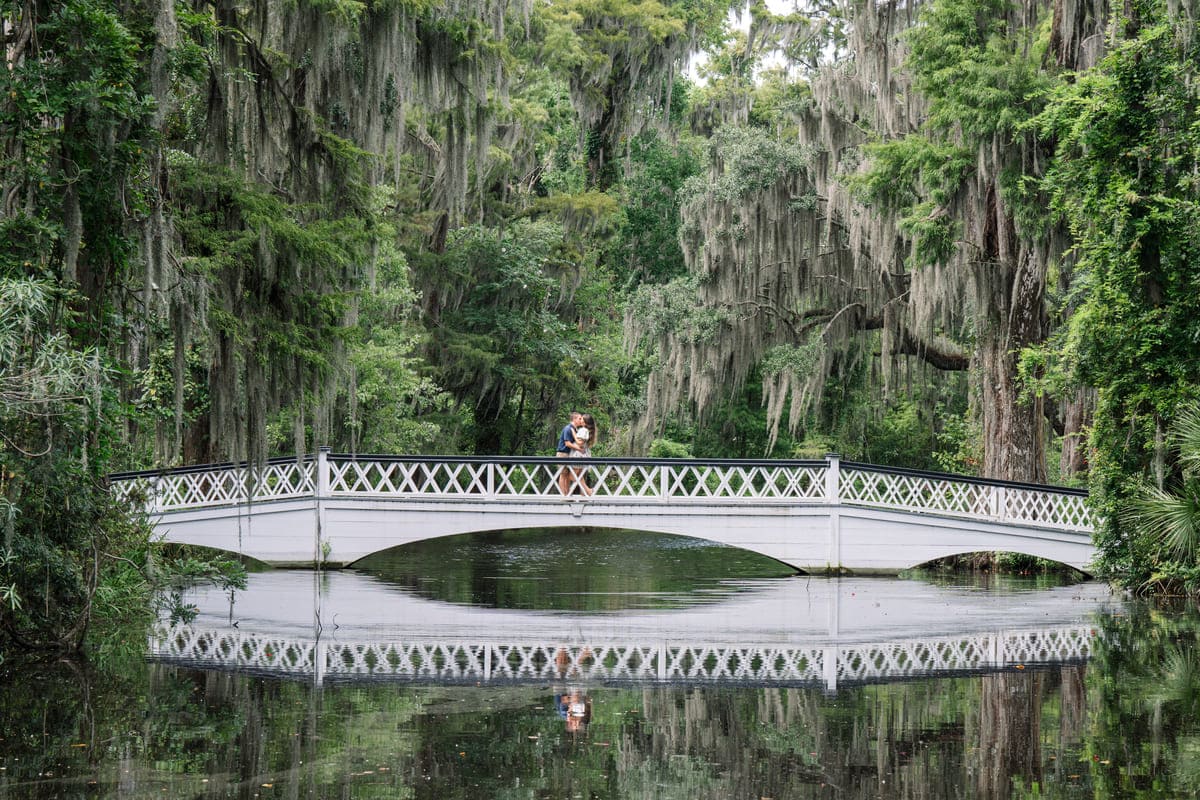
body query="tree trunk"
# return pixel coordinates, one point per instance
(1077, 417)
(1011, 288)
(1014, 445)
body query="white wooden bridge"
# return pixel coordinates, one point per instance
(822, 515)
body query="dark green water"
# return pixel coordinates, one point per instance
(571, 570)
(1122, 722)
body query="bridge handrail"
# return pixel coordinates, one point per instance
(933, 474)
(828, 481)
(212, 467)
(444, 459)
(602, 460)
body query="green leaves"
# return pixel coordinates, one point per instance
(1170, 518)
(751, 159)
(980, 77)
(1128, 137)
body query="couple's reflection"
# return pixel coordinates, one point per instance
(574, 708)
(572, 702)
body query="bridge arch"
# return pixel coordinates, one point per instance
(1044, 553)
(569, 528)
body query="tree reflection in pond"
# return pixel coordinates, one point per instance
(1125, 725)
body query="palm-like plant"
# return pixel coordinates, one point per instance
(1173, 517)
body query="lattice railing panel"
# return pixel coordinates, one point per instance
(914, 493)
(942, 495)
(657, 481)
(526, 479)
(1063, 511)
(1072, 644)
(903, 659)
(631, 481)
(220, 487)
(746, 664)
(233, 650)
(668, 481)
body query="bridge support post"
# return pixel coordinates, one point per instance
(322, 492)
(833, 476)
(999, 503)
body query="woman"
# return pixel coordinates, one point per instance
(585, 437)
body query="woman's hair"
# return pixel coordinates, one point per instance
(589, 422)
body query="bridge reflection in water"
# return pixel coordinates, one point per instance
(799, 633)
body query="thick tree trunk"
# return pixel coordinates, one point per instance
(1011, 288)
(1077, 417)
(1014, 441)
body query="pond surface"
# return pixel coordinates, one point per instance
(611, 664)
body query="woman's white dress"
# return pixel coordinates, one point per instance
(581, 437)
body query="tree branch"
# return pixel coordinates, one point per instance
(938, 352)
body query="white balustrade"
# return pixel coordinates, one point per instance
(676, 481)
(221, 486)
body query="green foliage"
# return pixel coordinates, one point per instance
(59, 527)
(796, 359)
(981, 77)
(918, 176)
(665, 448)
(646, 248)
(62, 546)
(672, 307)
(511, 337)
(983, 81)
(902, 437)
(904, 171)
(1170, 519)
(1125, 180)
(751, 160)
(959, 445)
(399, 409)
(74, 118)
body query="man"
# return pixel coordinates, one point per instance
(566, 443)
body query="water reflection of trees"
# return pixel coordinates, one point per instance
(1126, 725)
(928, 739)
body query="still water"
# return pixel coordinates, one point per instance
(612, 664)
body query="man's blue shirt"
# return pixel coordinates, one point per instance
(567, 435)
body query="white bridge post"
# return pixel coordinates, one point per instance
(321, 486)
(833, 497)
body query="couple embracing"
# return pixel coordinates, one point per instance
(575, 441)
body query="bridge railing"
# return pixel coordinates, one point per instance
(818, 482)
(917, 491)
(602, 477)
(219, 484)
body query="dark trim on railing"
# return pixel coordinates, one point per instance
(155, 473)
(558, 461)
(920, 473)
(616, 461)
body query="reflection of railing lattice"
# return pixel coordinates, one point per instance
(828, 482)
(474, 661)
